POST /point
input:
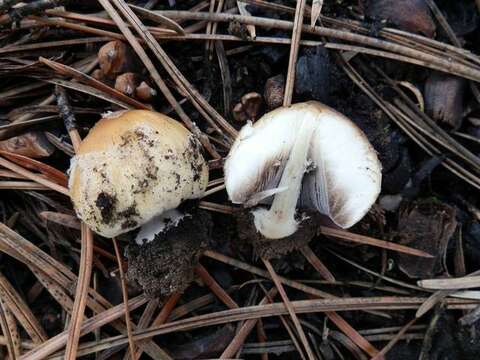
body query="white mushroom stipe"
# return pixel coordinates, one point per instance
(279, 221)
(159, 224)
(306, 155)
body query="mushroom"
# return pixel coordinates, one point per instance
(308, 155)
(133, 166)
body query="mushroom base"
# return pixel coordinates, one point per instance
(166, 264)
(276, 248)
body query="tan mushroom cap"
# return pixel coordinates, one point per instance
(132, 166)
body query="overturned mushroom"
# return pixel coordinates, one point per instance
(133, 166)
(308, 155)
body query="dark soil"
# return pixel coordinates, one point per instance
(166, 264)
(274, 249)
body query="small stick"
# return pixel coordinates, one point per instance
(131, 344)
(36, 7)
(67, 115)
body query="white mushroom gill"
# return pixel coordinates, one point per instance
(306, 155)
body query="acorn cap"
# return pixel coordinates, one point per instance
(116, 57)
(308, 155)
(132, 166)
(127, 83)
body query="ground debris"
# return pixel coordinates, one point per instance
(165, 265)
(426, 225)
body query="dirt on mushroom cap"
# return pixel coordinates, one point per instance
(132, 167)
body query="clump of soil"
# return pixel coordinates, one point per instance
(426, 225)
(166, 264)
(274, 249)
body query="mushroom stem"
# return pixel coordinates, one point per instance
(279, 221)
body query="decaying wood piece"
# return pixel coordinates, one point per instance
(33, 144)
(427, 226)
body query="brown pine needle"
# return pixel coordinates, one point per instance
(215, 287)
(88, 80)
(58, 341)
(292, 61)
(260, 272)
(131, 344)
(227, 316)
(86, 255)
(84, 275)
(351, 333)
(137, 47)
(290, 309)
(24, 251)
(158, 18)
(261, 336)
(317, 263)
(344, 326)
(316, 11)
(395, 339)
(160, 319)
(466, 282)
(244, 331)
(19, 308)
(50, 172)
(8, 326)
(367, 240)
(32, 176)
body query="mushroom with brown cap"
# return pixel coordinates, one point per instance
(306, 155)
(133, 166)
